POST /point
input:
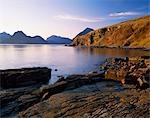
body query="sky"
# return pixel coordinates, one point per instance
(66, 17)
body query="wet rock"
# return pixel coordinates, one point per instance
(24, 77)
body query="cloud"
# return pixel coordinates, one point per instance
(121, 14)
(77, 18)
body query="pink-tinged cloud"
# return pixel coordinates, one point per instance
(77, 18)
(124, 14)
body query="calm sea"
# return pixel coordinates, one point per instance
(67, 60)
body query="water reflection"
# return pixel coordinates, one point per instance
(68, 60)
(113, 52)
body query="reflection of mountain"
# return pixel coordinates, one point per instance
(132, 33)
(58, 40)
(111, 52)
(20, 38)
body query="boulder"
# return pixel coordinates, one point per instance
(12, 78)
(118, 75)
(131, 70)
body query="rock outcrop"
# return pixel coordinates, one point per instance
(93, 96)
(18, 88)
(69, 83)
(132, 70)
(16, 100)
(24, 77)
(133, 33)
(100, 100)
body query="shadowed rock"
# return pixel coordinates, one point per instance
(24, 77)
(71, 82)
(17, 99)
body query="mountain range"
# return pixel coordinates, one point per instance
(21, 38)
(58, 40)
(133, 33)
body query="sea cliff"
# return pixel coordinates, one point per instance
(133, 34)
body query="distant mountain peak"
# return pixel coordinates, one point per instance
(4, 35)
(19, 33)
(36, 36)
(58, 36)
(54, 36)
(85, 31)
(89, 29)
(54, 39)
(20, 37)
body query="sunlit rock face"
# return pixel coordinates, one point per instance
(132, 33)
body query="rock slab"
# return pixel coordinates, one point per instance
(12, 78)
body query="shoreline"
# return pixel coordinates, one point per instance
(90, 46)
(123, 85)
(113, 47)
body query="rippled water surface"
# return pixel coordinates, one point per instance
(68, 60)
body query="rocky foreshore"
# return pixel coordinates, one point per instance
(17, 86)
(133, 70)
(115, 92)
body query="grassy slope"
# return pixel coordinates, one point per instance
(132, 33)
